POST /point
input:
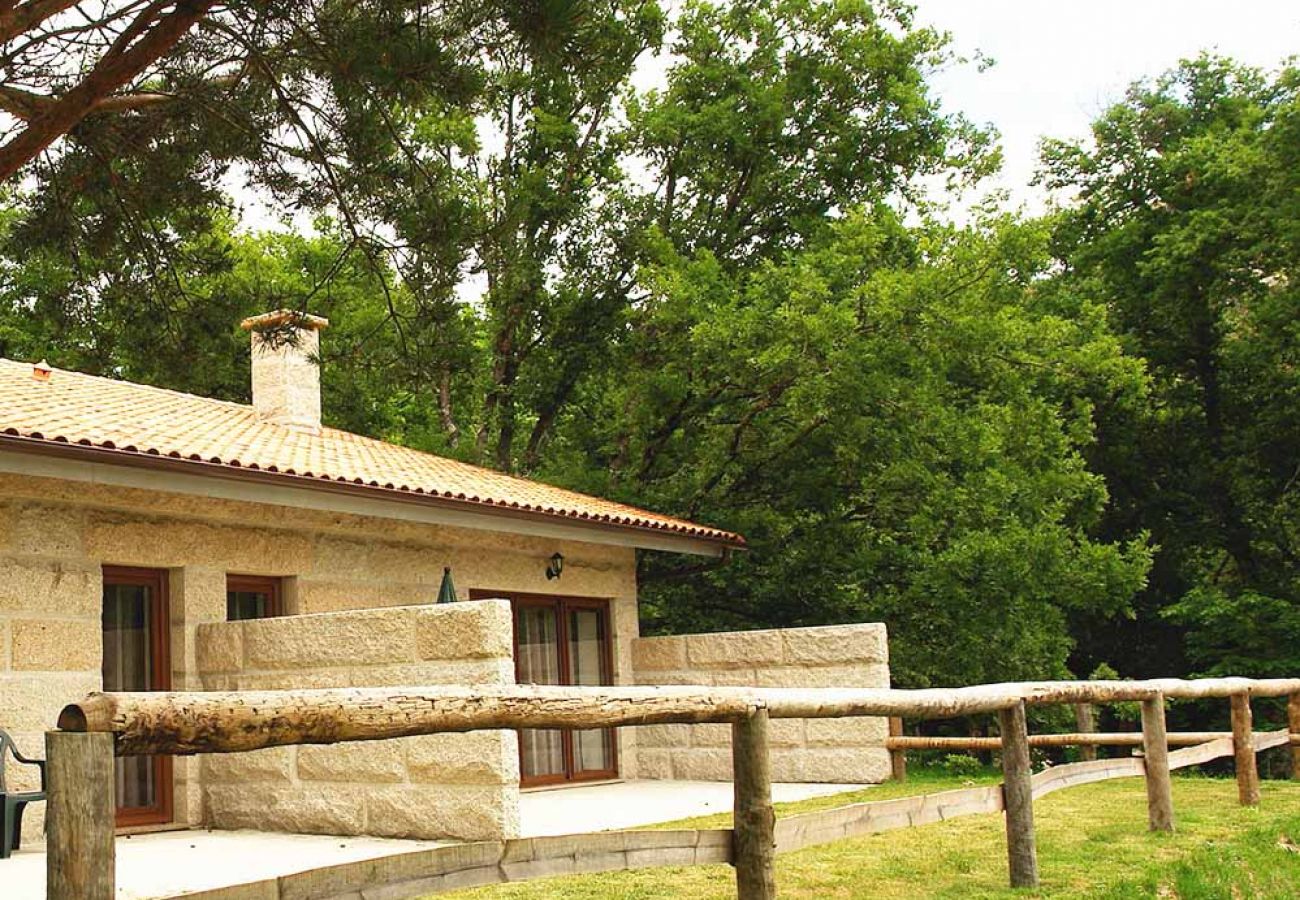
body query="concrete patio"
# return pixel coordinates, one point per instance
(168, 864)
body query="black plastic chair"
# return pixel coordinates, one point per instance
(12, 804)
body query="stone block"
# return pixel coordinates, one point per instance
(676, 678)
(458, 812)
(862, 675)
(735, 649)
(464, 672)
(317, 596)
(663, 735)
(274, 764)
(659, 653)
(57, 645)
(70, 589)
(787, 764)
(285, 681)
(479, 757)
(476, 630)
(849, 732)
(712, 734)
(787, 732)
(366, 762)
(654, 764)
(46, 530)
(32, 701)
(198, 595)
(844, 766)
(365, 637)
(219, 646)
(835, 645)
(310, 809)
(741, 677)
(145, 540)
(702, 764)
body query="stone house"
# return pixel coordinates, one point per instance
(153, 540)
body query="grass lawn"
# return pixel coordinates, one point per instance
(1092, 842)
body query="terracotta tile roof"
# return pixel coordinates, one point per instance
(77, 409)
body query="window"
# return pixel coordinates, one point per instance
(252, 597)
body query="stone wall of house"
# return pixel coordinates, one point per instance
(50, 638)
(56, 535)
(843, 751)
(463, 786)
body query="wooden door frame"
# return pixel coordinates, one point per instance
(561, 603)
(160, 676)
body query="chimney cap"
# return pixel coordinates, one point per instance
(280, 317)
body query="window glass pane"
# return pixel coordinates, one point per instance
(592, 750)
(542, 751)
(128, 666)
(242, 605)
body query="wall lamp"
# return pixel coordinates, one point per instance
(554, 567)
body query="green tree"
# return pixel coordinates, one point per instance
(896, 422)
(1186, 228)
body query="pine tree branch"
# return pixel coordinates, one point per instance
(111, 73)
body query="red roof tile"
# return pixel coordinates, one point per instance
(73, 408)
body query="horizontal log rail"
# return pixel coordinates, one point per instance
(1074, 739)
(185, 723)
(232, 721)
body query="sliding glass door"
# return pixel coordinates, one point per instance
(136, 658)
(563, 640)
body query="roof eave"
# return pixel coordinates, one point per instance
(80, 462)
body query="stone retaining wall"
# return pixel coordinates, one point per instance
(463, 786)
(842, 751)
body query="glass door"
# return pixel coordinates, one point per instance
(537, 661)
(135, 624)
(562, 640)
(588, 645)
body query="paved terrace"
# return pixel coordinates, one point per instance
(173, 863)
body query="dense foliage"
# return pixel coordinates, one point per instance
(1030, 447)
(1187, 227)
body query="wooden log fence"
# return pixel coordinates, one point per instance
(80, 823)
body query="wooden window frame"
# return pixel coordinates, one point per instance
(160, 675)
(272, 585)
(562, 603)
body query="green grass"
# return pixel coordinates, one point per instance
(1092, 842)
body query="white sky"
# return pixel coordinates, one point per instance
(1061, 62)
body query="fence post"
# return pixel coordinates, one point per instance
(1293, 726)
(754, 825)
(1243, 751)
(1085, 723)
(1018, 797)
(79, 856)
(1155, 752)
(897, 757)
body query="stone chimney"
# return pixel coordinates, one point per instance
(286, 368)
